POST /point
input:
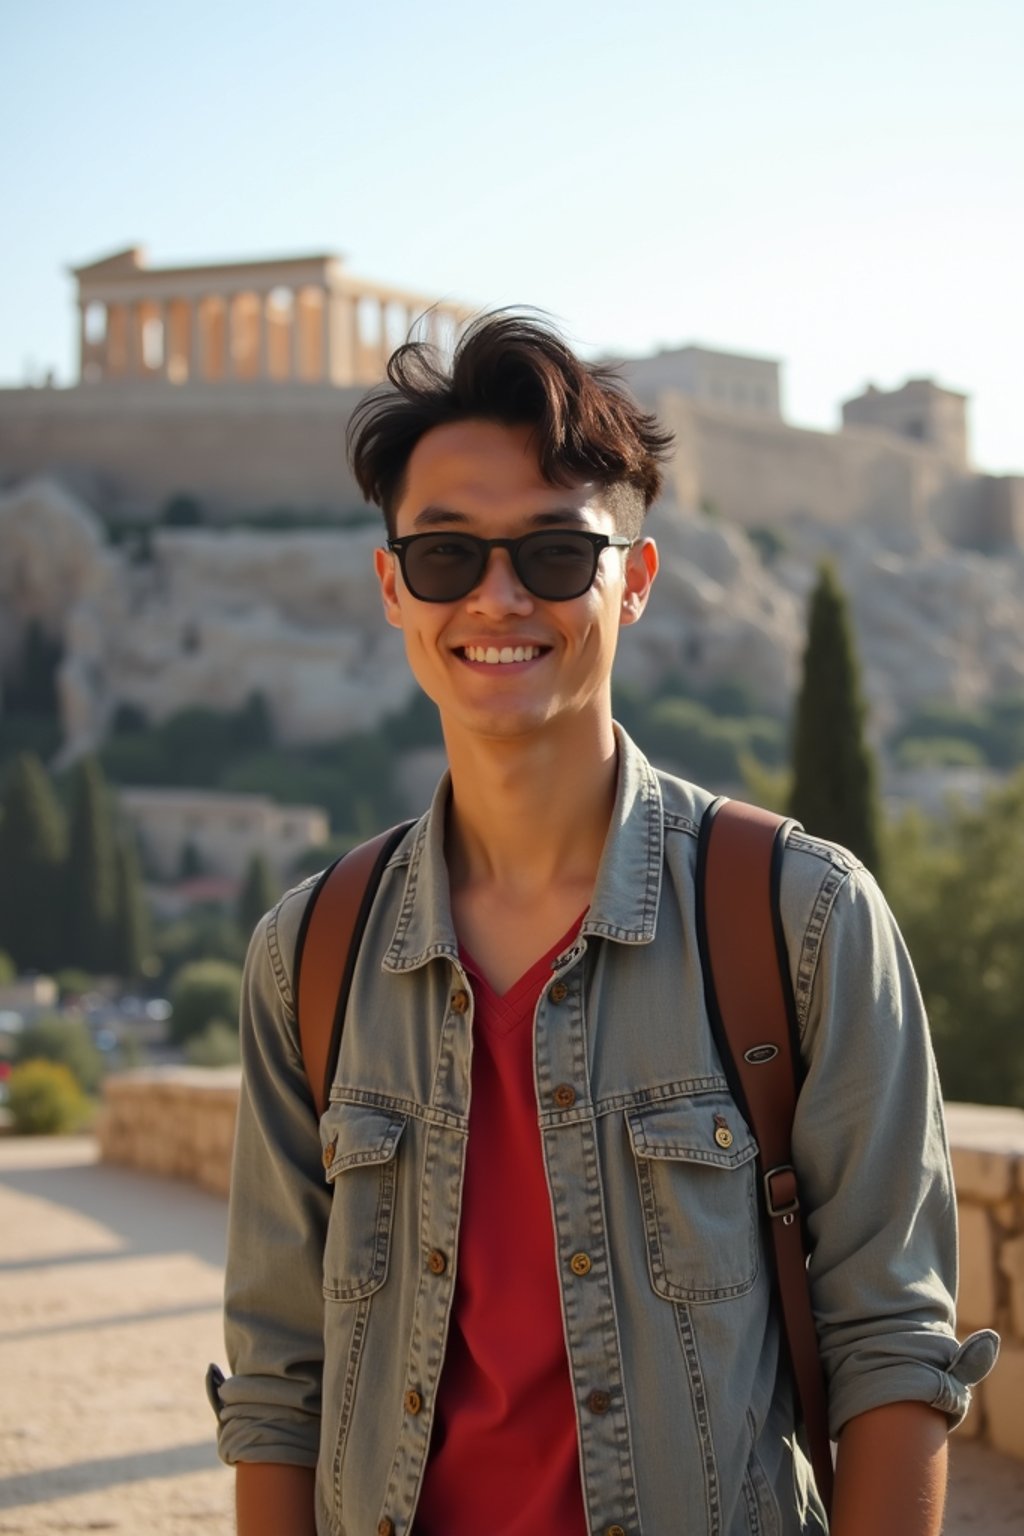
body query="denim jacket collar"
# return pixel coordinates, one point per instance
(626, 894)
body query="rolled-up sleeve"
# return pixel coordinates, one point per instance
(268, 1408)
(869, 1143)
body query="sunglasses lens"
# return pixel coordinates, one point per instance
(556, 566)
(442, 569)
(445, 567)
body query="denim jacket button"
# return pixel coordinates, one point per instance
(437, 1263)
(564, 1096)
(559, 992)
(599, 1402)
(615, 1530)
(581, 1264)
(329, 1152)
(460, 1000)
(413, 1402)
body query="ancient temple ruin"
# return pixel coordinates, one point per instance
(298, 319)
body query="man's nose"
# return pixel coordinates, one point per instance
(499, 587)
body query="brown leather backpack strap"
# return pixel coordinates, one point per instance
(325, 953)
(750, 1002)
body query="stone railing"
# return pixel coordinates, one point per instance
(181, 1121)
(987, 1146)
(178, 1121)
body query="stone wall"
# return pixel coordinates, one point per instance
(180, 1122)
(177, 1121)
(988, 1165)
(237, 447)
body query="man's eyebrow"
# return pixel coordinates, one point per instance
(554, 517)
(434, 517)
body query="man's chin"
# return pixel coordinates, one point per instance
(500, 724)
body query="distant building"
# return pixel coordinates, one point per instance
(228, 383)
(921, 411)
(729, 380)
(218, 834)
(290, 320)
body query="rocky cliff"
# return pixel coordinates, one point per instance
(209, 617)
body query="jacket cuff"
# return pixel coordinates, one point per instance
(946, 1387)
(250, 1431)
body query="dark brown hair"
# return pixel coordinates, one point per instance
(517, 370)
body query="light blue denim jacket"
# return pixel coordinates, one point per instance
(336, 1363)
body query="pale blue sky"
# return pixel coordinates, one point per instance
(837, 186)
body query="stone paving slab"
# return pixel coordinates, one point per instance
(110, 1291)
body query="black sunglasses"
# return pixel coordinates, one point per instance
(555, 564)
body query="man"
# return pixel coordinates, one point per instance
(531, 1293)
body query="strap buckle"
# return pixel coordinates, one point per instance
(782, 1206)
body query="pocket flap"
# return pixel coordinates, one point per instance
(685, 1130)
(356, 1134)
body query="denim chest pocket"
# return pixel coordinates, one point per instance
(360, 1144)
(695, 1169)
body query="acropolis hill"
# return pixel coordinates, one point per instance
(232, 385)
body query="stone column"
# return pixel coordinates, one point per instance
(343, 338)
(262, 342)
(82, 342)
(296, 337)
(165, 331)
(229, 331)
(326, 349)
(132, 341)
(385, 345)
(196, 361)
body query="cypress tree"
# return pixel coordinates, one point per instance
(834, 791)
(32, 844)
(258, 894)
(132, 935)
(91, 883)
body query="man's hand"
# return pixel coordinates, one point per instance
(274, 1500)
(891, 1473)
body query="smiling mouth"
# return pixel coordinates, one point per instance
(495, 656)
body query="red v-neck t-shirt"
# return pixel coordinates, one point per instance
(504, 1457)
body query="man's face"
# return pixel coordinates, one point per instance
(482, 478)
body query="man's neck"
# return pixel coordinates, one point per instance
(531, 813)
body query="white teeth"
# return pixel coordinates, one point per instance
(491, 655)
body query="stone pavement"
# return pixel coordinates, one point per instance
(110, 1285)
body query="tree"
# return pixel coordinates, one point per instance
(132, 931)
(957, 893)
(834, 791)
(204, 991)
(33, 688)
(258, 894)
(32, 843)
(91, 880)
(182, 511)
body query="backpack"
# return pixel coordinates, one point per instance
(749, 998)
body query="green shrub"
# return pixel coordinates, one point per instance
(204, 933)
(216, 1046)
(938, 752)
(67, 1042)
(203, 992)
(44, 1099)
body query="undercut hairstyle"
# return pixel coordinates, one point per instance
(516, 370)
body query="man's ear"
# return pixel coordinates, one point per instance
(386, 566)
(641, 569)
